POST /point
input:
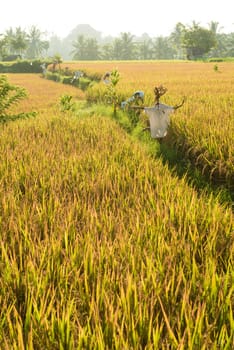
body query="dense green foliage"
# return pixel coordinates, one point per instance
(193, 42)
(198, 41)
(23, 66)
(19, 42)
(10, 95)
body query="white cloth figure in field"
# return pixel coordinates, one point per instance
(78, 74)
(43, 67)
(159, 118)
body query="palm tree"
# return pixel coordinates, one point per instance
(79, 52)
(117, 49)
(92, 49)
(3, 43)
(35, 44)
(127, 46)
(107, 52)
(176, 39)
(214, 27)
(145, 49)
(162, 49)
(9, 36)
(19, 41)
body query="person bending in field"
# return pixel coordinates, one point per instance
(106, 78)
(137, 97)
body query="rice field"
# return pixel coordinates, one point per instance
(102, 247)
(203, 128)
(43, 95)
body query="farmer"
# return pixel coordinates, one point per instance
(106, 77)
(139, 95)
(136, 97)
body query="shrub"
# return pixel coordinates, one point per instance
(25, 66)
(10, 95)
(53, 76)
(66, 103)
(84, 83)
(11, 58)
(66, 80)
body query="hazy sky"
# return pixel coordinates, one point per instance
(113, 17)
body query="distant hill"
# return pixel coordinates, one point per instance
(83, 29)
(80, 29)
(65, 46)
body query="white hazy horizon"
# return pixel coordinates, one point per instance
(113, 17)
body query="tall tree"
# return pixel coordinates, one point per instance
(214, 27)
(176, 39)
(35, 43)
(55, 45)
(220, 49)
(198, 41)
(107, 51)
(145, 49)
(19, 41)
(230, 45)
(117, 49)
(79, 52)
(127, 46)
(9, 36)
(92, 49)
(162, 49)
(3, 46)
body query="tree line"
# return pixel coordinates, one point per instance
(185, 42)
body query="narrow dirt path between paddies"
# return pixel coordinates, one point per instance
(101, 247)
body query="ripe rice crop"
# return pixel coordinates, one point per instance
(42, 94)
(101, 246)
(204, 127)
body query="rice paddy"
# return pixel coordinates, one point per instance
(102, 246)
